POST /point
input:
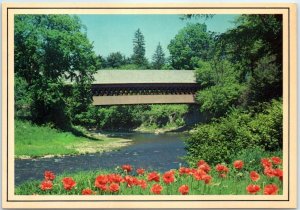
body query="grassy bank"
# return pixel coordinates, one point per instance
(38, 141)
(203, 180)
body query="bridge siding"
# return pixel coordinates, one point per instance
(144, 99)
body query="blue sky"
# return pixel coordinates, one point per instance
(112, 33)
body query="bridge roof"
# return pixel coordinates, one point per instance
(144, 76)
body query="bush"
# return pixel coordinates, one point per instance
(222, 139)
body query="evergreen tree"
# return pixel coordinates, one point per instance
(139, 51)
(158, 58)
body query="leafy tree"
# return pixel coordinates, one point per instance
(49, 51)
(158, 59)
(139, 50)
(115, 60)
(101, 62)
(192, 44)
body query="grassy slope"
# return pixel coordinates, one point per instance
(36, 141)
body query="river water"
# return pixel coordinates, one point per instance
(160, 152)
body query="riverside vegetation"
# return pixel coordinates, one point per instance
(240, 76)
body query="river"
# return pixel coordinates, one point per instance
(160, 152)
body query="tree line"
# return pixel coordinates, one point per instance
(240, 68)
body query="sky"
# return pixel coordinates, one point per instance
(114, 33)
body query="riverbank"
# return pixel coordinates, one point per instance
(32, 141)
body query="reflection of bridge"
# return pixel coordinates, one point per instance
(115, 87)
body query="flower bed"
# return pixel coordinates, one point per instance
(203, 180)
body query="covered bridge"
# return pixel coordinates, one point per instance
(116, 87)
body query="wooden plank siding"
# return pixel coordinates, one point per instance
(144, 99)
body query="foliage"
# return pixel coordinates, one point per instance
(23, 100)
(221, 139)
(139, 50)
(158, 58)
(115, 60)
(220, 86)
(163, 115)
(50, 49)
(192, 44)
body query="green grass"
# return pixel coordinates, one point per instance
(234, 184)
(37, 141)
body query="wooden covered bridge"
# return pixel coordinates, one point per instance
(116, 87)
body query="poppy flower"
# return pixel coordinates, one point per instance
(101, 180)
(222, 168)
(87, 191)
(238, 164)
(276, 160)
(198, 175)
(140, 171)
(114, 187)
(254, 176)
(268, 171)
(127, 168)
(49, 175)
(222, 175)
(68, 183)
(46, 185)
(102, 187)
(183, 189)
(168, 177)
(156, 189)
(252, 188)
(206, 178)
(266, 162)
(153, 176)
(270, 189)
(184, 170)
(278, 172)
(116, 178)
(142, 183)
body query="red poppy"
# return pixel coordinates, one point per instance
(101, 180)
(198, 175)
(183, 189)
(238, 164)
(278, 172)
(270, 189)
(87, 191)
(156, 189)
(116, 178)
(168, 177)
(127, 168)
(183, 170)
(114, 187)
(222, 175)
(142, 183)
(204, 166)
(68, 183)
(254, 176)
(102, 187)
(268, 171)
(207, 179)
(49, 175)
(130, 180)
(222, 168)
(276, 160)
(46, 185)
(252, 188)
(153, 176)
(266, 162)
(140, 171)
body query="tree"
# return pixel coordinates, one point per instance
(192, 44)
(139, 50)
(115, 60)
(51, 50)
(158, 59)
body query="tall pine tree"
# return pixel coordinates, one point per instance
(139, 50)
(158, 58)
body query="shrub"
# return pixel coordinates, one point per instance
(223, 138)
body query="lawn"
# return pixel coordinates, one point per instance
(38, 141)
(204, 179)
